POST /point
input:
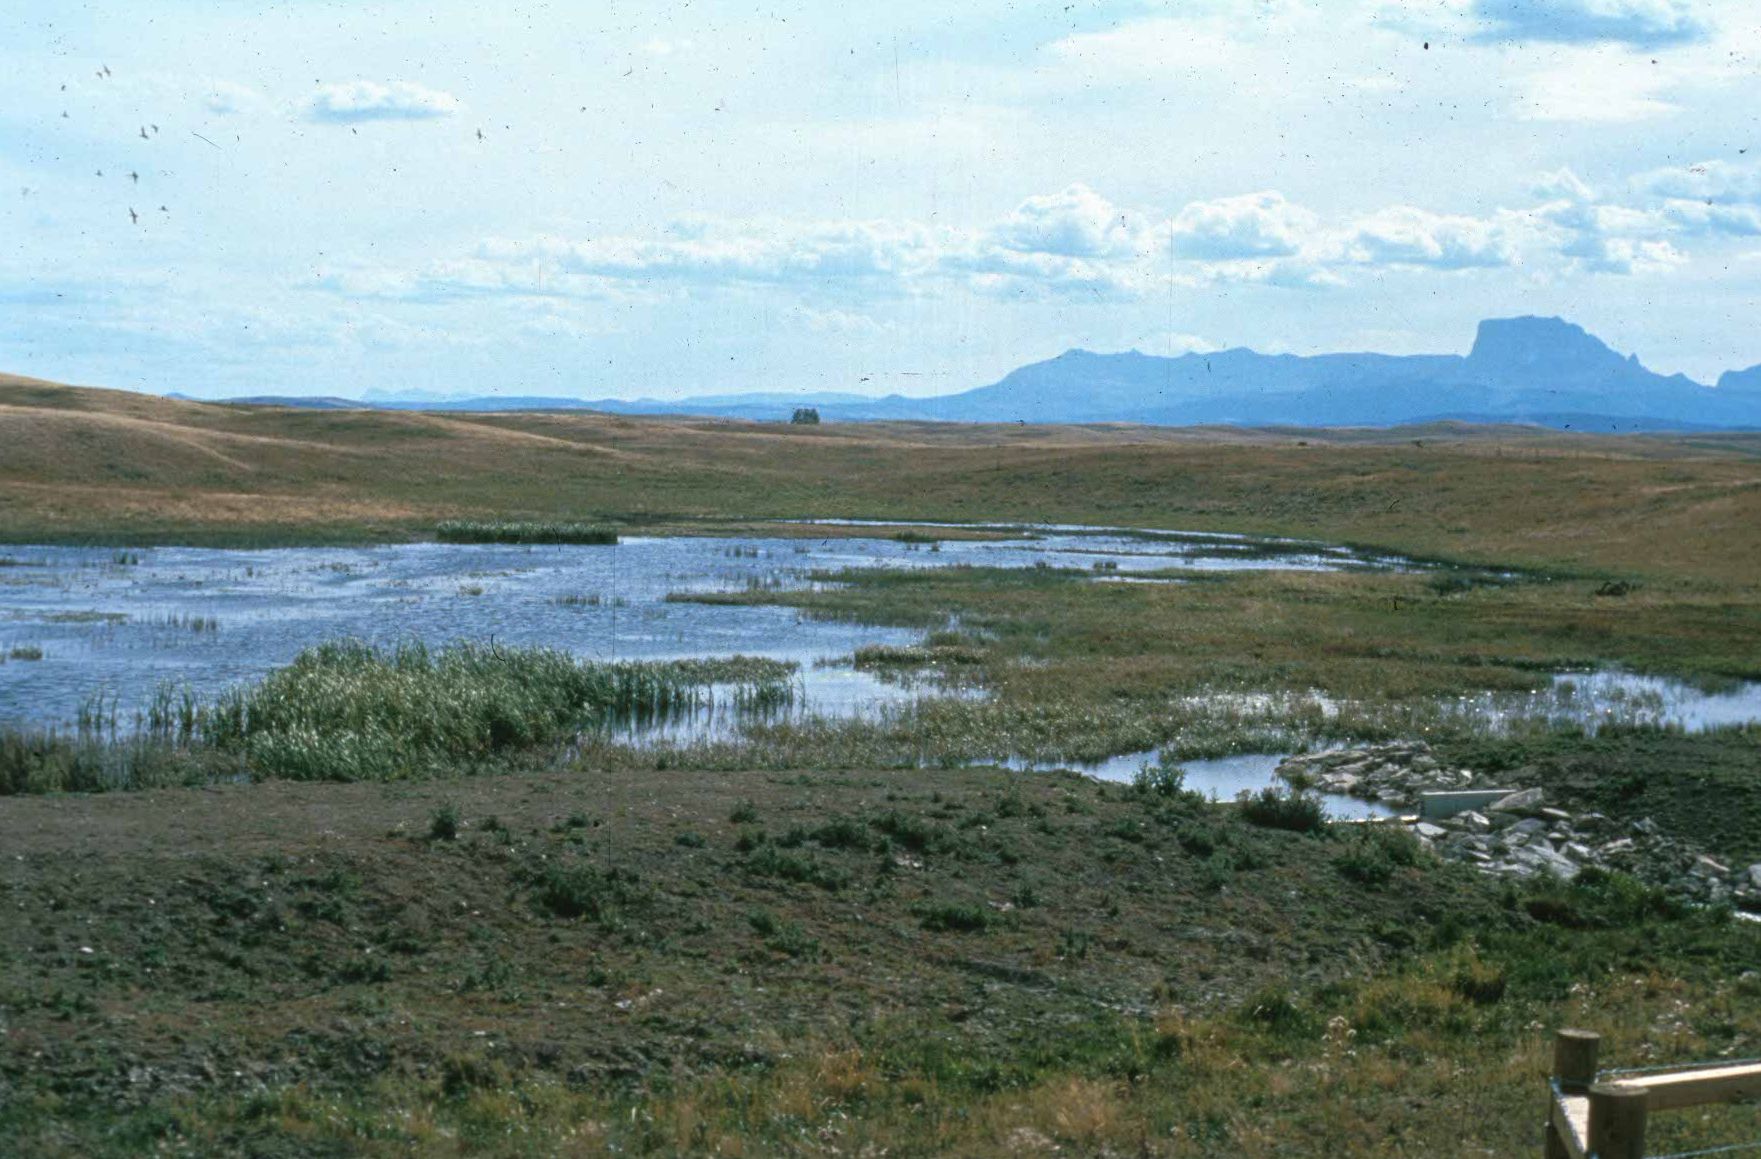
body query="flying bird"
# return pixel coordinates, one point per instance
(134, 177)
(143, 132)
(133, 217)
(104, 72)
(100, 173)
(479, 134)
(155, 128)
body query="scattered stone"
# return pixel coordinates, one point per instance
(1519, 834)
(1706, 867)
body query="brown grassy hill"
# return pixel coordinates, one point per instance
(83, 463)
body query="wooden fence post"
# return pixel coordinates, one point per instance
(1617, 1121)
(1574, 1059)
(1574, 1069)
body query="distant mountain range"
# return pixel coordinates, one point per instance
(1544, 371)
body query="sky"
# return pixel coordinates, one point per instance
(221, 197)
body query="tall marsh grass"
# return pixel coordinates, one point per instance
(493, 531)
(346, 711)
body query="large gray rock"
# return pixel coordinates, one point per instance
(1521, 801)
(1541, 858)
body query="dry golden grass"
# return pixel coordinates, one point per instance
(81, 463)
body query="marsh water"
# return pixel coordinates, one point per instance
(125, 622)
(118, 625)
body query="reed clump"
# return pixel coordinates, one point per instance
(347, 711)
(497, 531)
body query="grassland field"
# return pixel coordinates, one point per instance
(805, 944)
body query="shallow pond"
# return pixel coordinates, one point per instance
(124, 622)
(1221, 778)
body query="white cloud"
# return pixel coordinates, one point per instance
(1623, 255)
(1152, 48)
(365, 100)
(1253, 225)
(225, 98)
(1717, 182)
(1562, 184)
(1700, 217)
(1075, 223)
(1406, 236)
(1077, 244)
(1602, 83)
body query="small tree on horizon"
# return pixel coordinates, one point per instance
(808, 415)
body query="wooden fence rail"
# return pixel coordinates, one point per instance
(1588, 1118)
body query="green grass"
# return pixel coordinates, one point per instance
(1209, 987)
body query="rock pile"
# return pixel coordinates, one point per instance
(1393, 774)
(1520, 834)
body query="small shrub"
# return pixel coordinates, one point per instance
(787, 938)
(444, 822)
(1481, 982)
(744, 813)
(953, 918)
(581, 891)
(364, 970)
(914, 833)
(1126, 830)
(1374, 854)
(843, 833)
(1295, 811)
(1160, 780)
(1200, 840)
(1275, 1010)
(689, 840)
(768, 861)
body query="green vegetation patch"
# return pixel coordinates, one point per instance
(489, 531)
